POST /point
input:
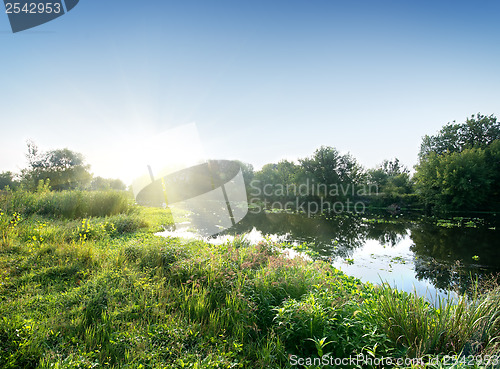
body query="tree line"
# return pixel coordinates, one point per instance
(458, 170)
(329, 176)
(60, 169)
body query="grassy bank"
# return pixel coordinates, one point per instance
(87, 288)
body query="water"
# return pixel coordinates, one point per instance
(410, 254)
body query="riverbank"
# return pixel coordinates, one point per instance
(104, 291)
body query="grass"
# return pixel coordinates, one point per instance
(84, 291)
(67, 204)
(467, 325)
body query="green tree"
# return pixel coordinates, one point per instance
(327, 166)
(457, 181)
(394, 184)
(477, 131)
(277, 177)
(459, 168)
(64, 168)
(247, 171)
(100, 183)
(390, 171)
(284, 172)
(8, 179)
(492, 157)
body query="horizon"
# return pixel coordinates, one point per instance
(263, 81)
(128, 180)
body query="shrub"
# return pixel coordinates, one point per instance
(67, 204)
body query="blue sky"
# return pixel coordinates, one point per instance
(263, 80)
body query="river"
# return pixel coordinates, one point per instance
(409, 252)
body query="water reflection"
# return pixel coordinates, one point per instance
(408, 254)
(450, 257)
(390, 233)
(331, 236)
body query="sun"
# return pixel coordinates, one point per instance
(165, 152)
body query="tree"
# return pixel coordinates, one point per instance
(247, 171)
(100, 184)
(477, 131)
(492, 157)
(459, 168)
(327, 166)
(284, 172)
(394, 184)
(64, 168)
(391, 177)
(273, 180)
(7, 179)
(458, 181)
(388, 171)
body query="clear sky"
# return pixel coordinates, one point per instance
(263, 80)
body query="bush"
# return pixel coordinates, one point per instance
(67, 204)
(330, 316)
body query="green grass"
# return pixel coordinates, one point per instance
(467, 325)
(66, 204)
(81, 291)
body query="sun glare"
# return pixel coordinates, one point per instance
(164, 153)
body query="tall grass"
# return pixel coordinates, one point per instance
(467, 325)
(66, 204)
